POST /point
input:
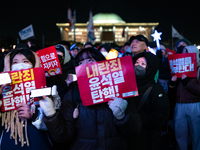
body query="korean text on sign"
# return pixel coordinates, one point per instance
(49, 61)
(106, 79)
(23, 81)
(183, 64)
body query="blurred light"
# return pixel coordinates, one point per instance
(142, 28)
(151, 50)
(14, 46)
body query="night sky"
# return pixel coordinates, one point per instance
(43, 15)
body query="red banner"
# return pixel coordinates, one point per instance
(100, 81)
(170, 52)
(49, 61)
(23, 81)
(185, 63)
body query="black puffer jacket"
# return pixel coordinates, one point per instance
(155, 111)
(95, 128)
(59, 80)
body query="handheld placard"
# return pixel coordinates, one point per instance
(40, 92)
(44, 91)
(5, 78)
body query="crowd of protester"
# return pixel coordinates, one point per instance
(166, 105)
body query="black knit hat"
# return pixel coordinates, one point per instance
(60, 48)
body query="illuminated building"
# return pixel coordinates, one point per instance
(108, 28)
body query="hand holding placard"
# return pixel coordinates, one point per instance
(1, 88)
(118, 107)
(185, 63)
(23, 81)
(47, 106)
(100, 81)
(174, 78)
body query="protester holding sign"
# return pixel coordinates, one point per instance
(19, 131)
(187, 110)
(152, 103)
(99, 126)
(67, 67)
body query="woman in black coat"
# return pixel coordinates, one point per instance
(155, 110)
(101, 126)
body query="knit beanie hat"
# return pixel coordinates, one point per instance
(183, 40)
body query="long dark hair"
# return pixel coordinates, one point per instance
(26, 52)
(90, 52)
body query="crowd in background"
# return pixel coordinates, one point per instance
(166, 105)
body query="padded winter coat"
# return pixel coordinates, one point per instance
(95, 128)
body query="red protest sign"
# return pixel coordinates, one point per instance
(49, 61)
(100, 81)
(23, 81)
(169, 51)
(185, 63)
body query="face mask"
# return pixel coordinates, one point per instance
(21, 66)
(139, 70)
(60, 58)
(180, 49)
(104, 53)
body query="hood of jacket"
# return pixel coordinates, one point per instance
(193, 49)
(65, 52)
(152, 68)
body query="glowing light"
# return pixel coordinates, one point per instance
(151, 50)
(156, 37)
(3, 49)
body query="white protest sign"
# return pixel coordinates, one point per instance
(26, 32)
(5, 78)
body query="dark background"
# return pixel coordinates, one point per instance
(43, 15)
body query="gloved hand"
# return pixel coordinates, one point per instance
(56, 97)
(47, 106)
(118, 107)
(184, 80)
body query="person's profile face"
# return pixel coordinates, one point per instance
(103, 49)
(75, 52)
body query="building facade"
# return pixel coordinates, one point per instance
(108, 28)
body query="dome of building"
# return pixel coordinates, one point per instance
(107, 18)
